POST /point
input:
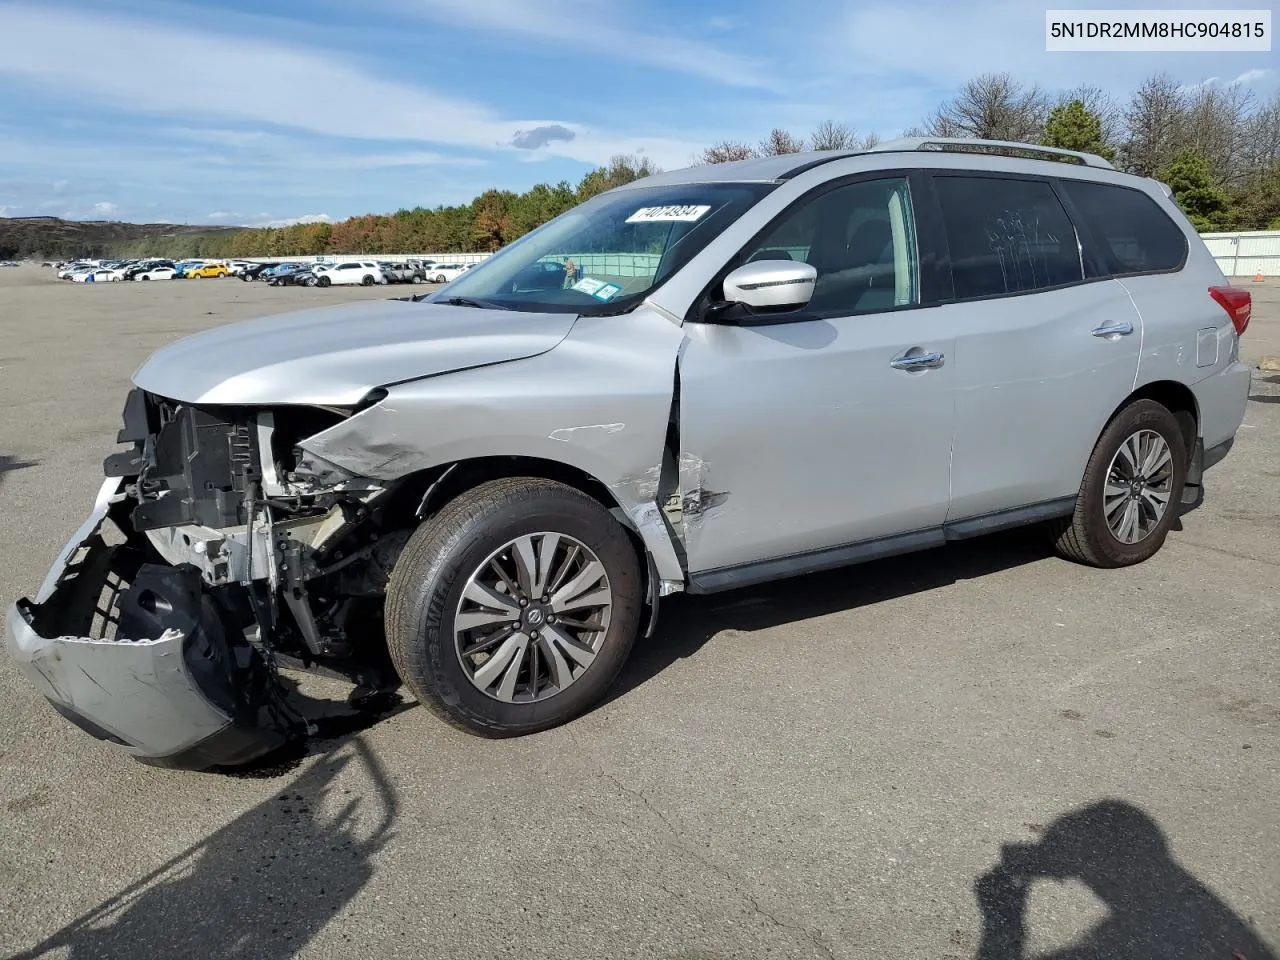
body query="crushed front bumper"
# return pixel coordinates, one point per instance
(177, 685)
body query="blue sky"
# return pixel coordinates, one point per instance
(259, 111)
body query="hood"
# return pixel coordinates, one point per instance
(335, 355)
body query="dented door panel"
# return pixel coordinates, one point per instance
(801, 436)
(600, 402)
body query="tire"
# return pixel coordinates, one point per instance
(439, 560)
(144, 278)
(415, 279)
(324, 282)
(1087, 537)
(440, 279)
(366, 280)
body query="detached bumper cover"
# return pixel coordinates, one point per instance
(177, 686)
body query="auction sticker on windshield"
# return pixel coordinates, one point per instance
(686, 213)
(588, 285)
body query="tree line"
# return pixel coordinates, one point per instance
(1216, 145)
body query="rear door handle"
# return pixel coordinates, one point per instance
(1113, 330)
(918, 361)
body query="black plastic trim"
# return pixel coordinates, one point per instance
(805, 167)
(231, 746)
(1007, 519)
(829, 558)
(764, 571)
(1216, 454)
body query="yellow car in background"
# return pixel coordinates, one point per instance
(209, 270)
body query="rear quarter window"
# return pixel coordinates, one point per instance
(1130, 233)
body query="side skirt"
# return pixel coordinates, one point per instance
(763, 571)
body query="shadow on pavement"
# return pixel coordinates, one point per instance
(262, 887)
(688, 622)
(1156, 910)
(8, 464)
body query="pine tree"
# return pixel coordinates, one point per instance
(1072, 126)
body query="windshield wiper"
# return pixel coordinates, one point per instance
(471, 302)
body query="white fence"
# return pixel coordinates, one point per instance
(1246, 254)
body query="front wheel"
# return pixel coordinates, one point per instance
(513, 609)
(440, 279)
(324, 281)
(1131, 490)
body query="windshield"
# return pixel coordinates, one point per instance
(606, 255)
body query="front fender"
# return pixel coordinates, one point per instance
(600, 402)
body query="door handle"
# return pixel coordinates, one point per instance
(1122, 329)
(918, 361)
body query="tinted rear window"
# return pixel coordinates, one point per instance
(1132, 233)
(1006, 236)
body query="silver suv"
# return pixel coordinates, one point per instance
(705, 380)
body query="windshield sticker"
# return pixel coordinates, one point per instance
(588, 285)
(607, 292)
(686, 213)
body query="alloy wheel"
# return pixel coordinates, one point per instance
(1139, 486)
(532, 617)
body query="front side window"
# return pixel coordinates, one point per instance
(1006, 236)
(861, 239)
(1132, 233)
(608, 254)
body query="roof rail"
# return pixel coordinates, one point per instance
(994, 147)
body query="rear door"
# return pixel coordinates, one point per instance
(817, 430)
(1043, 354)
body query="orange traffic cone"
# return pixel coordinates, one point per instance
(1257, 277)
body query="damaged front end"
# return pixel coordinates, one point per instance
(216, 550)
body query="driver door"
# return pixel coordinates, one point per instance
(818, 438)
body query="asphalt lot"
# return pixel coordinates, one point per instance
(827, 767)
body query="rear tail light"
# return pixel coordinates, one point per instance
(1238, 304)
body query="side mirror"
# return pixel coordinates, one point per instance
(771, 284)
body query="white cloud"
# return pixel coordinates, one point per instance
(5, 208)
(1251, 76)
(290, 221)
(105, 206)
(570, 22)
(115, 60)
(222, 215)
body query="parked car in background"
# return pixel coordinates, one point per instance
(421, 267)
(98, 275)
(365, 273)
(236, 267)
(256, 271)
(158, 272)
(398, 272)
(143, 266)
(208, 270)
(182, 267)
(67, 270)
(303, 276)
(281, 275)
(444, 272)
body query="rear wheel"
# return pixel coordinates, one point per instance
(440, 279)
(514, 608)
(1130, 492)
(366, 280)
